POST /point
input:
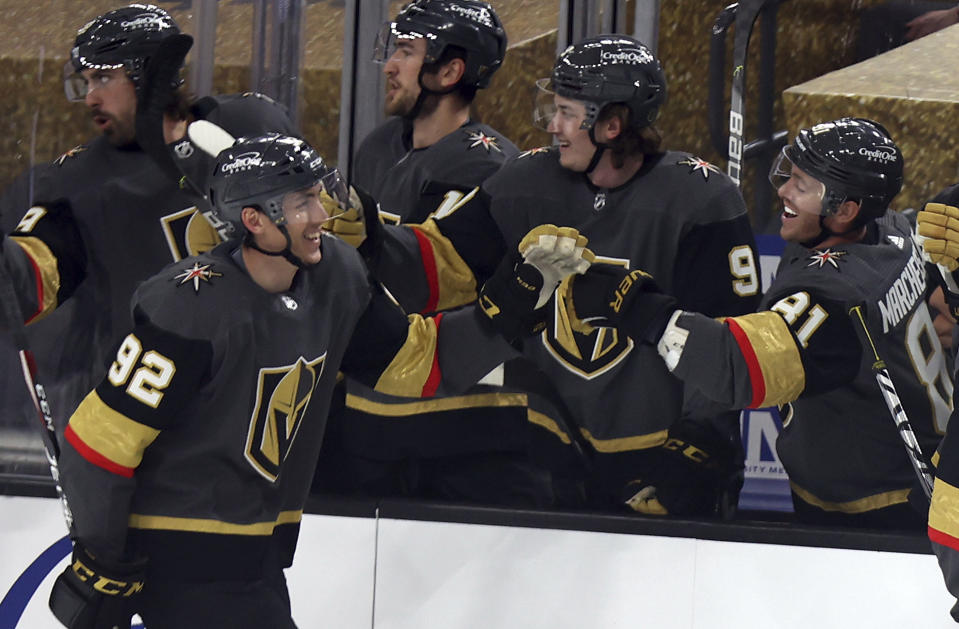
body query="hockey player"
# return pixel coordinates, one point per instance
(639, 205)
(429, 153)
(132, 219)
(188, 466)
(424, 160)
(848, 254)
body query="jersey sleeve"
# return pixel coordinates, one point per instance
(944, 510)
(154, 374)
(717, 269)
(803, 344)
(45, 258)
(439, 264)
(415, 356)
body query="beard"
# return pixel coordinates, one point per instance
(119, 133)
(402, 103)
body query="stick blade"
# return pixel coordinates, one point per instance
(209, 137)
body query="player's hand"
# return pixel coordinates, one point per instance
(938, 228)
(609, 295)
(357, 221)
(513, 299)
(95, 594)
(692, 473)
(557, 253)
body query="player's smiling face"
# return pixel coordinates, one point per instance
(402, 72)
(112, 100)
(801, 196)
(305, 215)
(575, 148)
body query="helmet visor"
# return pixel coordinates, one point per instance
(803, 193)
(544, 104)
(74, 85)
(330, 191)
(388, 39)
(547, 105)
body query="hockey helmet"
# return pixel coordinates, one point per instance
(259, 171)
(123, 38)
(602, 70)
(853, 158)
(470, 24)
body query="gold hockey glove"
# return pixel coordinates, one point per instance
(356, 223)
(513, 299)
(557, 253)
(938, 228)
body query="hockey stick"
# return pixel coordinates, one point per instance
(716, 103)
(13, 320)
(895, 407)
(746, 13)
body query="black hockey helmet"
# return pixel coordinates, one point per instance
(470, 24)
(259, 171)
(602, 70)
(123, 38)
(854, 159)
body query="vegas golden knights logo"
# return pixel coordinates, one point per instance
(586, 355)
(188, 233)
(283, 394)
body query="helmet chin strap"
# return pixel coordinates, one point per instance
(598, 153)
(425, 92)
(825, 232)
(286, 253)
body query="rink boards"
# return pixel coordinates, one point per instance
(500, 569)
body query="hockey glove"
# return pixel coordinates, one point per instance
(155, 94)
(94, 594)
(938, 228)
(557, 253)
(609, 295)
(513, 299)
(695, 472)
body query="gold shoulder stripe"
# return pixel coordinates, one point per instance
(109, 433)
(49, 275)
(410, 369)
(200, 525)
(776, 356)
(456, 284)
(869, 503)
(944, 510)
(624, 444)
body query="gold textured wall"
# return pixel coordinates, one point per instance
(814, 37)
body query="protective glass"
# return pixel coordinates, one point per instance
(387, 39)
(331, 192)
(806, 192)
